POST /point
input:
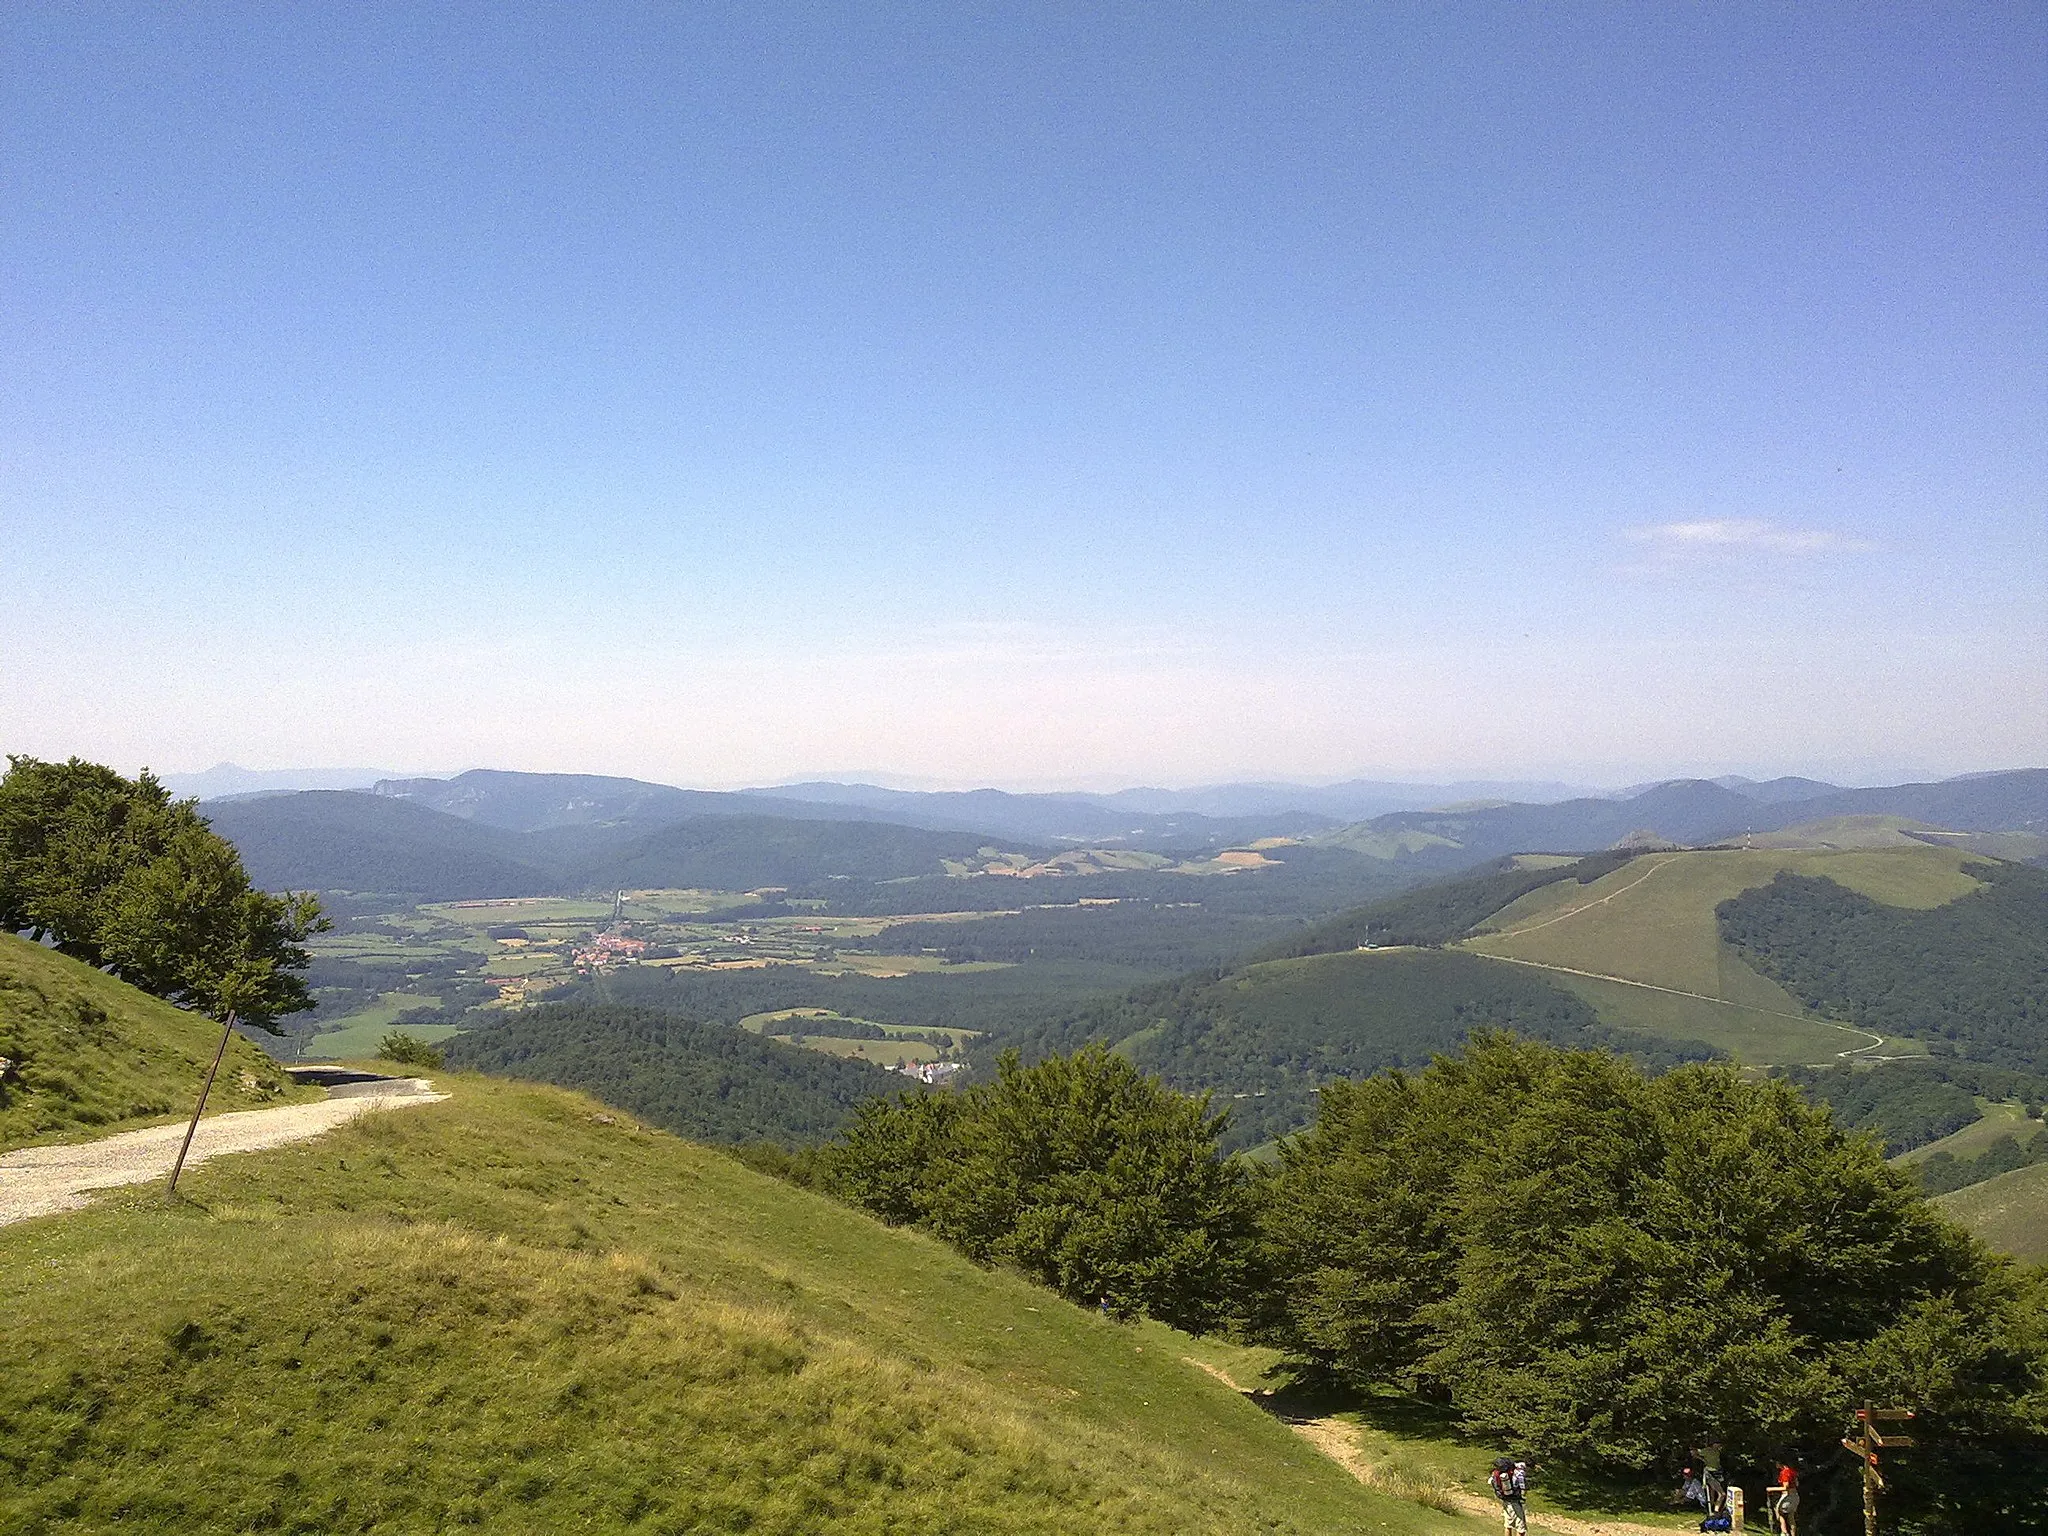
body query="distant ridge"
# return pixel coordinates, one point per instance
(498, 833)
(224, 779)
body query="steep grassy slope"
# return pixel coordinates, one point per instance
(93, 1054)
(2009, 1212)
(1653, 921)
(517, 1311)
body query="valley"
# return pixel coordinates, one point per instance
(820, 1269)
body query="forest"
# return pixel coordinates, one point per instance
(1970, 977)
(705, 1081)
(1581, 1259)
(1266, 1037)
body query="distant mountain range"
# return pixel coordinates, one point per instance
(489, 833)
(1110, 814)
(1695, 811)
(535, 801)
(225, 779)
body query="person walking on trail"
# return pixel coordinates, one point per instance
(1510, 1483)
(1784, 1500)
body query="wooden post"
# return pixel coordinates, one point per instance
(205, 1088)
(1735, 1509)
(1866, 1446)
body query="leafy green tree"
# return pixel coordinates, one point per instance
(118, 874)
(1606, 1267)
(1082, 1172)
(407, 1050)
(889, 1159)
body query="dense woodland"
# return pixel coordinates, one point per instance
(1907, 1104)
(705, 1081)
(1265, 1038)
(1970, 977)
(1944, 1171)
(1168, 937)
(1604, 1266)
(1080, 1171)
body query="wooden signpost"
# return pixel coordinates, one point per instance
(1866, 1447)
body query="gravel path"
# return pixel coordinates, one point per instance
(1336, 1440)
(37, 1181)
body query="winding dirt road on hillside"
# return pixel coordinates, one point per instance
(38, 1181)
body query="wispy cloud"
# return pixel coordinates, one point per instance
(1732, 535)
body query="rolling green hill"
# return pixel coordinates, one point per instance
(744, 853)
(515, 1311)
(337, 840)
(1619, 948)
(92, 1055)
(1969, 975)
(340, 840)
(1653, 923)
(2009, 1212)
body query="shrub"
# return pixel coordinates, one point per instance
(407, 1050)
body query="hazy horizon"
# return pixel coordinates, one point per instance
(355, 778)
(1027, 396)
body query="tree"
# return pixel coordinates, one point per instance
(1606, 1268)
(407, 1050)
(116, 873)
(1088, 1176)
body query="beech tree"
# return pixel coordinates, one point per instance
(116, 873)
(1606, 1268)
(1095, 1180)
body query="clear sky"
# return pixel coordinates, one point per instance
(1026, 394)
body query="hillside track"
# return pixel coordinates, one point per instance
(1854, 1053)
(1587, 906)
(41, 1181)
(1335, 1439)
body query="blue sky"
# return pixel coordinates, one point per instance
(1026, 395)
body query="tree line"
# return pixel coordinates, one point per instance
(114, 872)
(1969, 976)
(1590, 1264)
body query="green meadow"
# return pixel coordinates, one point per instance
(518, 1310)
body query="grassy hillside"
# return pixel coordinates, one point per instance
(516, 1311)
(1996, 1122)
(94, 1055)
(1653, 921)
(2009, 1212)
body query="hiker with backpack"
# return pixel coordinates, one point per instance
(1510, 1483)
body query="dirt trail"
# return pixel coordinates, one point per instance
(1587, 906)
(37, 1181)
(1336, 1440)
(1859, 1052)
